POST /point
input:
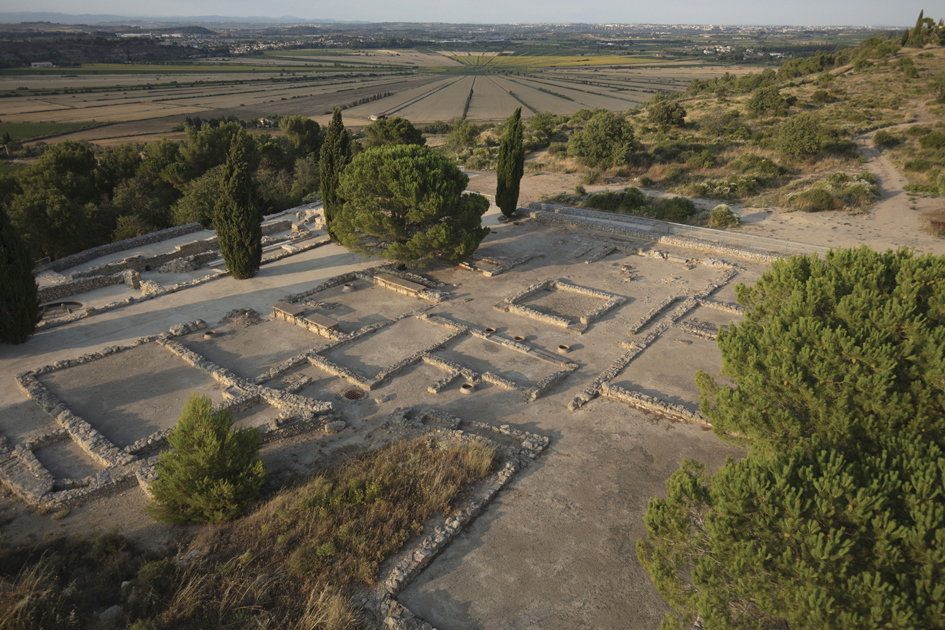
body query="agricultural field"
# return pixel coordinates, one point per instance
(533, 63)
(421, 85)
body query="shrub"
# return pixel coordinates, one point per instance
(799, 137)
(592, 176)
(766, 99)
(820, 96)
(674, 173)
(647, 181)
(732, 187)
(580, 190)
(627, 201)
(813, 200)
(557, 147)
(884, 140)
(677, 209)
(933, 140)
(756, 163)
(723, 217)
(211, 473)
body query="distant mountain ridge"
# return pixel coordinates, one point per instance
(102, 18)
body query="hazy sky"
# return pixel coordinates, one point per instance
(793, 12)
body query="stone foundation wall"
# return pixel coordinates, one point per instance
(91, 254)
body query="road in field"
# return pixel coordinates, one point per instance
(444, 104)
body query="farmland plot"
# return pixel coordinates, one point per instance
(584, 99)
(537, 101)
(444, 104)
(491, 101)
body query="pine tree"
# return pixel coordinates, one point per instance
(211, 473)
(19, 309)
(335, 156)
(406, 203)
(236, 215)
(511, 165)
(806, 537)
(849, 347)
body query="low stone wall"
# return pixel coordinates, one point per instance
(656, 405)
(578, 325)
(62, 291)
(418, 556)
(653, 312)
(27, 478)
(110, 248)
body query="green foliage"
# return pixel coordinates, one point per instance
(629, 201)
(804, 537)
(605, 141)
(884, 140)
(933, 140)
(813, 200)
(677, 210)
(304, 134)
(511, 165)
(848, 348)
(664, 112)
(723, 217)
(212, 473)
(765, 100)
(394, 130)
(335, 156)
(799, 138)
(462, 135)
(406, 203)
(19, 309)
(236, 215)
(200, 197)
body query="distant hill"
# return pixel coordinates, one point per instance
(103, 18)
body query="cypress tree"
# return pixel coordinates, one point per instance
(19, 310)
(211, 473)
(335, 156)
(236, 215)
(511, 165)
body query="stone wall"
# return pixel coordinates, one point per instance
(110, 248)
(419, 555)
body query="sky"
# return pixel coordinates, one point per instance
(728, 12)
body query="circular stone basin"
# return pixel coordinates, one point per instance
(519, 338)
(58, 309)
(347, 288)
(563, 349)
(490, 330)
(208, 334)
(467, 388)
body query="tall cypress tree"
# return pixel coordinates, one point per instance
(335, 156)
(511, 165)
(19, 310)
(236, 215)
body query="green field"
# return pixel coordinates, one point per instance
(31, 130)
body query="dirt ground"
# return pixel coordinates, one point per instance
(556, 548)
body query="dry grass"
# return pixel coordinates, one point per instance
(33, 600)
(314, 542)
(291, 564)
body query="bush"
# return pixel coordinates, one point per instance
(647, 181)
(592, 176)
(884, 140)
(211, 473)
(764, 100)
(557, 147)
(723, 217)
(732, 187)
(627, 201)
(677, 209)
(813, 200)
(820, 96)
(799, 137)
(933, 140)
(674, 173)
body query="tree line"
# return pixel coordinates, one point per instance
(75, 197)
